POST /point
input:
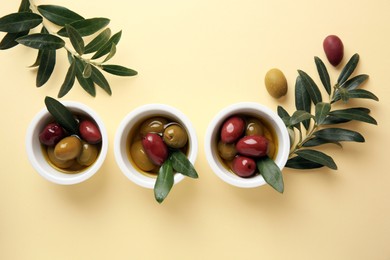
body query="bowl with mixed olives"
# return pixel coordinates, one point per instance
(240, 136)
(69, 146)
(149, 138)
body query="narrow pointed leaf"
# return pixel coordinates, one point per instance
(331, 120)
(86, 27)
(355, 82)
(299, 116)
(9, 40)
(100, 80)
(311, 87)
(315, 141)
(271, 173)
(119, 70)
(46, 66)
(348, 69)
(324, 75)
(87, 70)
(69, 80)
(104, 49)
(76, 39)
(59, 15)
(322, 110)
(362, 93)
(354, 114)
(24, 6)
(19, 22)
(62, 115)
(86, 83)
(302, 99)
(317, 157)
(339, 135)
(42, 41)
(164, 181)
(111, 53)
(98, 41)
(298, 162)
(182, 165)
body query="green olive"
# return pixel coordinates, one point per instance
(88, 155)
(254, 127)
(175, 136)
(276, 83)
(271, 149)
(68, 148)
(153, 125)
(140, 158)
(63, 164)
(227, 151)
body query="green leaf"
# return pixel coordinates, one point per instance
(86, 83)
(69, 80)
(283, 114)
(86, 27)
(119, 70)
(164, 182)
(299, 116)
(98, 41)
(271, 173)
(322, 109)
(317, 157)
(104, 49)
(348, 69)
(9, 40)
(46, 66)
(37, 60)
(315, 141)
(100, 80)
(59, 15)
(75, 38)
(19, 22)
(355, 82)
(311, 87)
(62, 115)
(354, 114)
(331, 120)
(339, 135)
(362, 93)
(42, 41)
(302, 99)
(182, 165)
(324, 75)
(298, 162)
(87, 70)
(111, 54)
(24, 6)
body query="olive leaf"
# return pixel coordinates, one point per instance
(87, 26)
(87, 70)
(324, 75)
(100, 80)
(283, 114)
(182, 165)
(106, 47)
(302, 99)
(354, 114)
(69, 80)
(46, 66)
(271, 173)
(98, 41)
(297, 162)
(311, 87)
(111, 53)
(164, 181)
(76, 39)
(9, 40)
(62, 115)
(59, 15)
(86, 83)
(19, 22)
(339, 135)
(316, 141)
(348, 69)
(355, 82)
(118, 70)
(321, 111)
(317, 157)
(299, 116)
(42, 41)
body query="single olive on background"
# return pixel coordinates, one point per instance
(68, 148)
(51, 134)
(175, 136)
(232, 129)
(334, 49)
(275, 83)
(155, 148)
(243, 166)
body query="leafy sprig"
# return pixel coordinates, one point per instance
(309, 129)
(87, 59)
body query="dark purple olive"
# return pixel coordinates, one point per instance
(232, 129)
(334, 49)
(254, 146)
(155, 148)
(243, 166)
(51, 134)
(90, 132)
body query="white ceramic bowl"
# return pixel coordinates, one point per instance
(252, 109)
(37, 158)
(137, 116)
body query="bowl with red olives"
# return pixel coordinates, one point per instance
(150, 139)
(69, 146)
(240, 136)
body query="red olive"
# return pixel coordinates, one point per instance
(155, 148)
(254, 145)
(243, 166)
(334, 49)
(90, 132)
(232, 129)
(51, 134)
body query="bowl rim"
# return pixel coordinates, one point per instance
(214, 126)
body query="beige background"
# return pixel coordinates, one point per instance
(201, 56)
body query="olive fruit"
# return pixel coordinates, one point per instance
(155, 148)
(275, 83)
(175, 136)
(63, 164)
(254, 127)
(232, 129)
(140, 157)
(334, 49)
(88, 154)
(68, 148)
(227, 151)
(51, 134)
(90, 132)
(243, 166)
(153, 125)
(254, 145)
(271, 149)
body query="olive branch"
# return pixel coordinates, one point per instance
(86, 60)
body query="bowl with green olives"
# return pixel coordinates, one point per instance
(150, 135)
(66, 154)
(240, 136)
